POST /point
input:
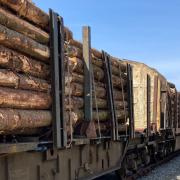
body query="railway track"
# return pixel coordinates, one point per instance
(145, 170)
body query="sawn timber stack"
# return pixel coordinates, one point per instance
(25, 76)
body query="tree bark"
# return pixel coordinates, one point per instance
(15, 80)
(17, 62)
(97, 58)
(33, 14)
(103, 116)
(15, 23)
(13, 119)
(95, 53)
(17, 41)
(72, 51)
(23, 131)
(76, 89)
(29, 11)
(21, 99)
(78, 103)
(77, 65)
(73, 77)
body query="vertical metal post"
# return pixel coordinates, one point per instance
(148, 105)
(57, 79)
(110, 95)
(87, 73)
(155, 104)
(130, 101)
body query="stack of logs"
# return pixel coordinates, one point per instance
(25, 88)
(74, 89)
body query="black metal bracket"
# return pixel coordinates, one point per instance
(57, 79)
(110, 94)
(130, 101)
(148, 105)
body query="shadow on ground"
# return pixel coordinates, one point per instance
(111, 176)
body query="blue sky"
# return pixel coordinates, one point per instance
(143, 30)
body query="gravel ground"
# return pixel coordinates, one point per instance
(168, 171)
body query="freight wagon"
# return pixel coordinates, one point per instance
(68, 111)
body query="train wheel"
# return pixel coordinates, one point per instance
(146, 157)
(165, 152)
(122, 173)
(132, 165)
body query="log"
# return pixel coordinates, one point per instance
(20, 63)
(78, 78)
(17, 24)
(78, 103)
(73, 77)
(29, 11)
(78, 44)
(97, 58)
(78, 90)
(72, 51)
(77, 65)
(23, 131)
(21, 99)
(67, 34)
(15, 80)
(13, 119)
(78, 116)
(17, 41)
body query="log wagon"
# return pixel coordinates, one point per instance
(68, 111)
(64, 106)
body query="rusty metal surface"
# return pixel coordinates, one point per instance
(80, 162)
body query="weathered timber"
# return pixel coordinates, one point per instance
(22, 99)
(103, 116)
(29, 11)
(11, 79)
(78, 103)
(13, 119)
(17, 62)
(17, 24)
(76, 89)
(22, 43)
